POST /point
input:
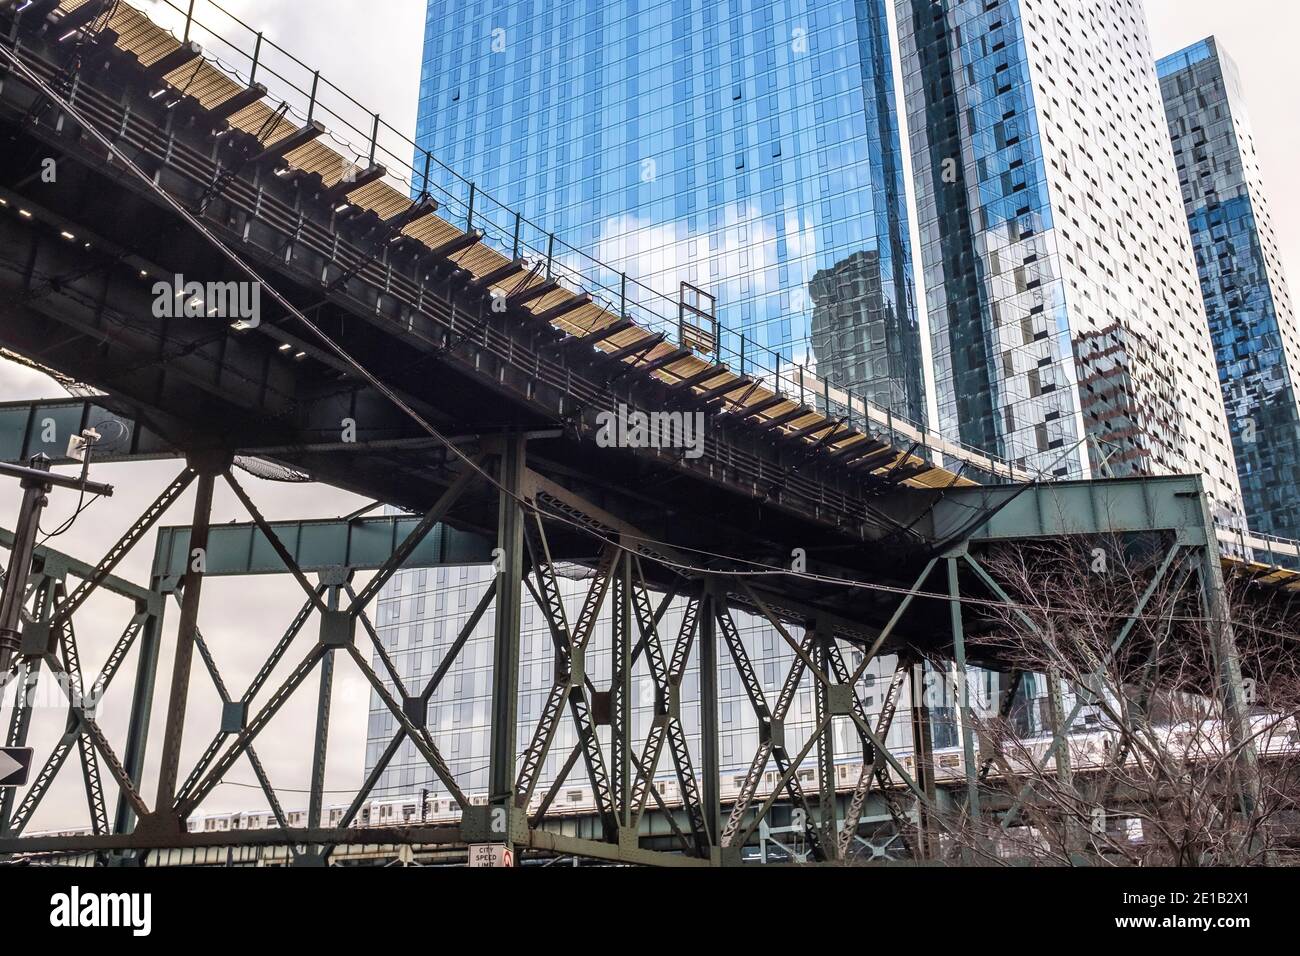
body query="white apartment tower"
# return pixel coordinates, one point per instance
(1065, 309)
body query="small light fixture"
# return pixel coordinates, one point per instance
(24, 213)
(285, 346)
(67, 235)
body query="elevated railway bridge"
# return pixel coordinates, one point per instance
(431, 350)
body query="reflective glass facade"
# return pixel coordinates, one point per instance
(1060, 284)
(1246, 299)
(748, 147)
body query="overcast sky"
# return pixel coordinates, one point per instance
(371, 48)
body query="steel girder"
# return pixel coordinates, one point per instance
(570, 686)
(666, 725)
(774, 744)
(874, 770)
(49, 628)
(623, 803)
(28, 670)
(396, 292)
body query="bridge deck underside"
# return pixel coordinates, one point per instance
(86, 309)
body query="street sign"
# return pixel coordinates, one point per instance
(491, 855)
(15, 764)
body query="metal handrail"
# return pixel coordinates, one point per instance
(508, 230)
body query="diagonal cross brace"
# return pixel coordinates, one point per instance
(40, 785)
(403, 551)
(754, 689)
(185, 804)
(124, 544)
(419, 736)
(563, 691)
(884, 721)
(91, 729)
(313, 593)
(85, 748)
(263, 674)
(210, 665)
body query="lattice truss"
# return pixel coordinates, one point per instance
(621, 770)
(925, 821)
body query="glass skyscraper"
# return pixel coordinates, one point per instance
(1065, 313)
(1246, 298)
(749, 148)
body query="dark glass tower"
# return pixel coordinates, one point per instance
(1246, 299)
(743, 146)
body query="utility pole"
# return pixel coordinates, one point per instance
(37, 482)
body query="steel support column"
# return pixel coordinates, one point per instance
(505, 652)
(923, 764)
(164, 813)
(620, 731)
(823, 637)
(709, 763)
(963, 697)
(1227, 665)
(35, 498)
(323, 701)
(137, 730)
(29, 676)
(1061, 724)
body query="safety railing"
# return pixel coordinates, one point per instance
(249, 55)
(1283, 553)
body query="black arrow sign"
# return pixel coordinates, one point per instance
(15, 764)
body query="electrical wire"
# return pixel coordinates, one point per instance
(67, 525)
(82, 503)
